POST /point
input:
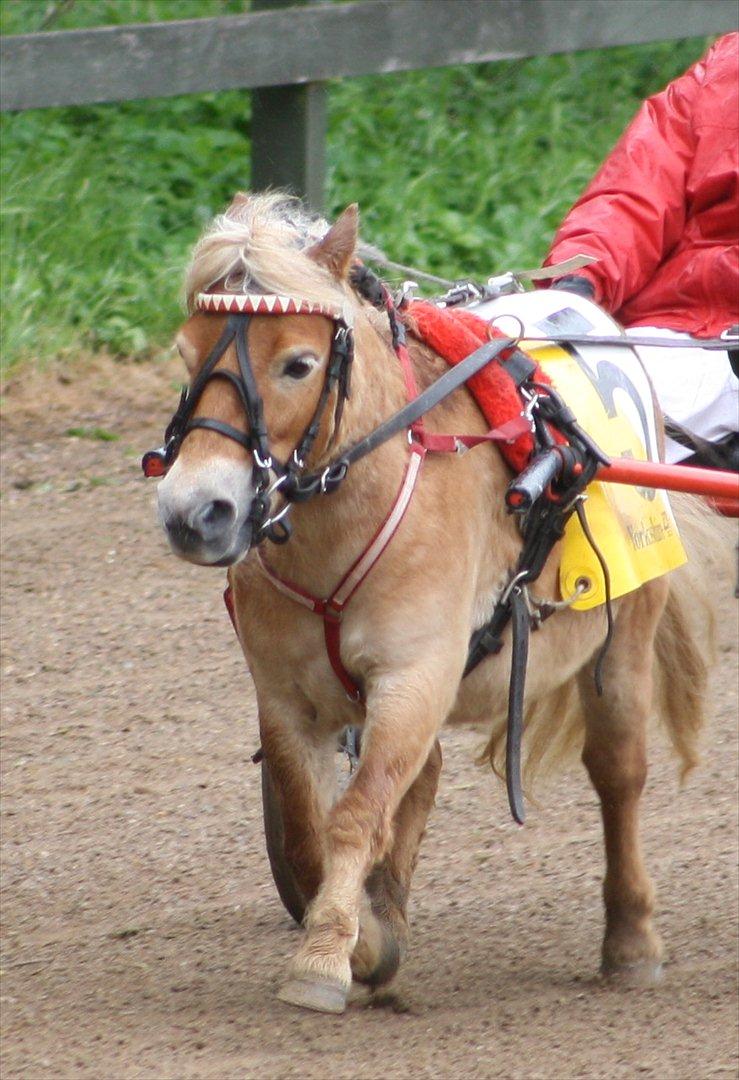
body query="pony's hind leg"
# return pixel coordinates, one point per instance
(383, 925)
(302, 775)
(615, 757)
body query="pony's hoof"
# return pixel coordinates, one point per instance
(322, 995)
(639, 973)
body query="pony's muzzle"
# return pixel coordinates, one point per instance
(201, 527)
(206, 517)
(213, 519)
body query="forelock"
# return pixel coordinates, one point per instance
(260, 244)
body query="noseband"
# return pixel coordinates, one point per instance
(240, 309)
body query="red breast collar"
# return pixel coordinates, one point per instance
(454, 333)
(331, 609)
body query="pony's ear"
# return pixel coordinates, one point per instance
(239, 200)
(336, 249)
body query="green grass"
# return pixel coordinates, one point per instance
(29, 16)
(99, 207)
(459, 170)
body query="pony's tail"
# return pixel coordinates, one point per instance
(553, 736)
(685, 642)
(681, 681)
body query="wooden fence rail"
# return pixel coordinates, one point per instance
(297, 48)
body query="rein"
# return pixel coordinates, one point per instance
(328, 479)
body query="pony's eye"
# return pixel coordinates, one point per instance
(299, 367)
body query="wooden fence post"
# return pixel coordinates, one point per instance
(288, 133)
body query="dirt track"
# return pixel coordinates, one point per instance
(142, 934)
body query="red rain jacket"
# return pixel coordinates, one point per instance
(662, 213)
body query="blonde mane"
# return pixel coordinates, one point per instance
(260, 244)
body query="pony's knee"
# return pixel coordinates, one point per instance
(361, 821)
(329, 924)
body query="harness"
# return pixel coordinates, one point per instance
(543, 496)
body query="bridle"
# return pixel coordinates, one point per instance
(268, 473)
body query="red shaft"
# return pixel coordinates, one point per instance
(708, 482)
(727, 507)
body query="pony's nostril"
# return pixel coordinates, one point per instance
(213, 518)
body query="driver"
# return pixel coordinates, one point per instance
(661, 216)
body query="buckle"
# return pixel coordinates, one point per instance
(276, 485)
(513, 586)
(462, 292)
(265, 463)
(332, 476)
(531, 403)
(404, 295)
(332, 614)
(275, 518)
(502, 285)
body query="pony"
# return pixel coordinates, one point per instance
(404, 633)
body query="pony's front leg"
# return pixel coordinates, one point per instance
(398, 737)
(383, 923)
(616, 759)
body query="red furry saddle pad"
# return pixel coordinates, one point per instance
(454, 333)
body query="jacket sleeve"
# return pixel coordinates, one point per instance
(633, 212)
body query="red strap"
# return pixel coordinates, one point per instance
(331, 631)
(332, 637)
(454, 333)
(331, 610)
(454, 444)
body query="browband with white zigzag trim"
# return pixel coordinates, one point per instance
(263, 304)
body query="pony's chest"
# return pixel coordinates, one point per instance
(285, 646)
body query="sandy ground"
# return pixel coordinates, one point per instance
(142, 933)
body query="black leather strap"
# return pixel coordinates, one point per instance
(450, 381)
(299, 488)
(713, 344)
(177, 427)
(251, 396)
(222, 429)
(516, 689)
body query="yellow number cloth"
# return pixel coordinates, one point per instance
(633, 527)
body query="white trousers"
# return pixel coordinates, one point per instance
(695, 387)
